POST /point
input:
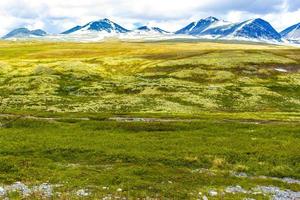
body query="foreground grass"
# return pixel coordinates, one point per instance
(158, 159)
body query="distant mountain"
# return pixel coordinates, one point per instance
(292, 33)
(196, 28)
(24, 33)
(209, 28)
(151, 30)
(103, 25)
(256, 29)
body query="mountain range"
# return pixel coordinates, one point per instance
(210, 27)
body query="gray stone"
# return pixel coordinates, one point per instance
(20, 187)
(213, 193)
(2, 192)
(277, 193)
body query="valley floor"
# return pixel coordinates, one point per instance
(156, 120)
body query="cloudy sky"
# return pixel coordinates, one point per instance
(55, 16)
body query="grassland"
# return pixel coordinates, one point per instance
(224, 109)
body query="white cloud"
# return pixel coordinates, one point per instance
(58, 15)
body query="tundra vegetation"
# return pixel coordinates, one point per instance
(172, 119)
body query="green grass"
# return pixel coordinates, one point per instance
(142, 157)
(235, 112)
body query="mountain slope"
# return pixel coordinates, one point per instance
(196, 28)
(104, 25)
(292, 32)
(256, 29)
(24, 33)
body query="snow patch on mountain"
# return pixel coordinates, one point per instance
(292, 33)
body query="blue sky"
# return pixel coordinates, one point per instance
(58, 15)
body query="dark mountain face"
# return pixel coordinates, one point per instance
(24, 32)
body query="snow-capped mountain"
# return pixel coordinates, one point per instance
(24, 33)
(149, 30)
(256, 29)
(292, 33)
(103, 25)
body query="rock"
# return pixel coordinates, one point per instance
(240, 175)
(281, 70)
(235, 189)
(82, 193)
(204, 197)
(2, 192)
(213, 193)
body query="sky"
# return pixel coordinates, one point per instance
(55, 16)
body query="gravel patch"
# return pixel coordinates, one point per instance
(19, 187)
(275, 192)
(45, 189)
(285, 180)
